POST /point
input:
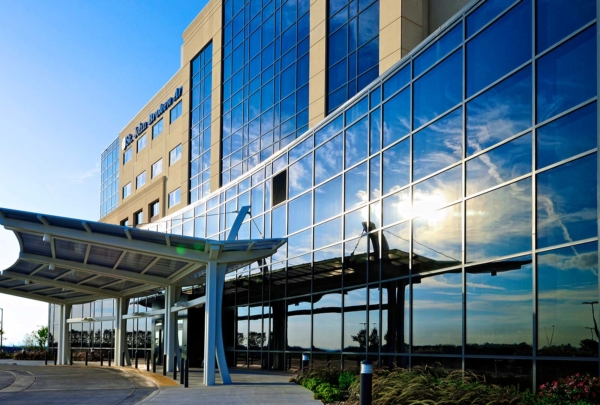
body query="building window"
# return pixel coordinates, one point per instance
(157, 129)
(141, 144)
(280, 188)
(174, 198)
(127, 155)
(140, 180)
(109, 191)
(126, 190)
(156, 168)
(125, 222)
(138, 218)
(175, 155)
(176, 112)
(154, 209)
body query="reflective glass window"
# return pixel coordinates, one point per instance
(500, 308)
(499, 222)
(500, 48)
(395, 256)
(438, 145)
(279, 222)
(141, 143)
(499, 165)
(375, 131)
(328, 233)
(127, 155)
(174, 198)
(156, 168)
(396, 207)
(437, 313)
(437, 191)
(328, 199)
(356, 329)
(298, 326)
(327, 321)
(300, 243)
(438, 50)
(567, 203)
(329, 159)
(375, 177)
(157, 128)
(300, 176)
(396, 117)
(567, 136)
(353, 223)
(437, 239)
(300, 213)
(438, 90)
(553, 23)
(356, 187)
(332, 128)
(396, 163)
(568, 301)
(395, 82)
(485, 13)
(500, 112)
(567, 75)
(357, 140)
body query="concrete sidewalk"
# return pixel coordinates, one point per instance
(27, 382)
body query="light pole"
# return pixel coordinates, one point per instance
(1, 327)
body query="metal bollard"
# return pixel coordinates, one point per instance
(45, 358)
(153, 364)
(86, 357)
(182, 369)
(175, 368)
(164, 364)
(109, 357)
(187, 373)
(55, 357)
(136, 359)
(101, 358)
(71, 360)
(305, 360)
(366, 382)
(123, 359)
(147, 361)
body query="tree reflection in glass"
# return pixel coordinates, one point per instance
(499, 308)
(568, 301)
(355, 320)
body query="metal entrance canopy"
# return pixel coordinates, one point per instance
(68, 261)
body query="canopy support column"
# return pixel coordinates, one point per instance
(64, 343)
(210, 323)
(221, 360)
(121, 332)
(171, 344)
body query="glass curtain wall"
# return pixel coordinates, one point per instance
(265, 80)
(462, 230)
(109, 185)
(201, 124)
(353, 48)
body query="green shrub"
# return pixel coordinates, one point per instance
(312, 383)
(345, 379)
(329, 375)
(327, 393)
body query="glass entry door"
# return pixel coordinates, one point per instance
(158, 344)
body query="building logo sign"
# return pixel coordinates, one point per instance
(139, 130)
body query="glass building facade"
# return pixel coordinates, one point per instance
(265, 80)
(446, 214)
(109, 185)
(201, 124)
(353, 43)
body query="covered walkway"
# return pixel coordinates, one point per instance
(67, 261)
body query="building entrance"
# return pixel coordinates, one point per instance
(158, 343)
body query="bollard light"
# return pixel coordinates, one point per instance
(305, 360)
(136, 359)
(366, 382)
(86, 357)
(187, 373)
(175, 368)
(164, 364)
(182, 369)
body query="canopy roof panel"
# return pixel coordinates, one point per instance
(67, 260)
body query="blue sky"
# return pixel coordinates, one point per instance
(72, 75)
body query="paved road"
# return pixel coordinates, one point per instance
(30, 382)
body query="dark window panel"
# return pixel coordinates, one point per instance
(553, 24)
